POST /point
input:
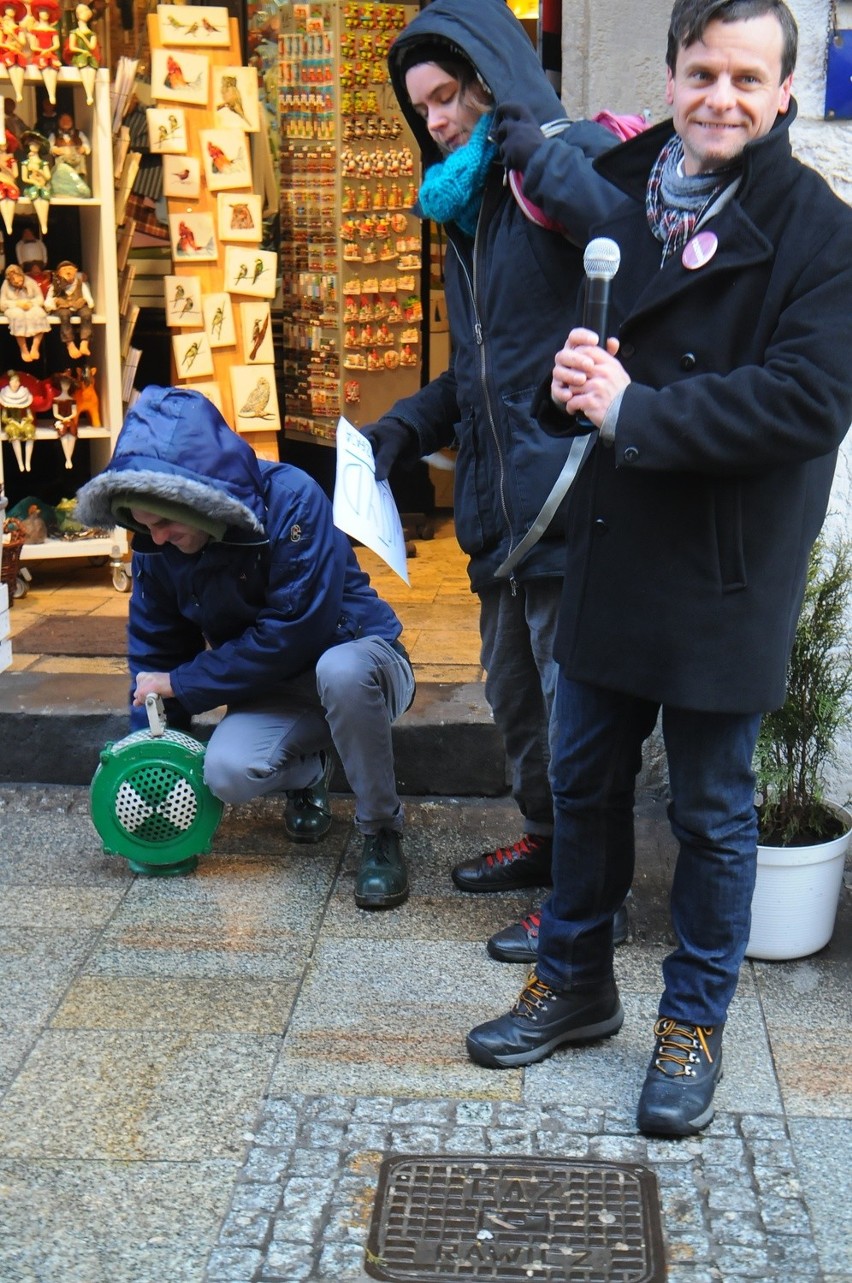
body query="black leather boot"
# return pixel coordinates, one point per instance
(526, 864)
(677, 1098)
(307, 815)
(519, 942)
(382, 878)
(542, 1020)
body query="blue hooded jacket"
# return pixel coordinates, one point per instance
(253, 609)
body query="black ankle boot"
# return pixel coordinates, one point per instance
(307, 815)
(677, 1098)
(542, 1020)
(526, 864)
(382, 879)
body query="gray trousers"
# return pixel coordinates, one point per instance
(351, 699)
(517, 624)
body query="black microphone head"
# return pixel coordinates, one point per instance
(601, 258)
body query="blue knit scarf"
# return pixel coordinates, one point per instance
(452, 190)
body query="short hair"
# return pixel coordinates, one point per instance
(690, 19)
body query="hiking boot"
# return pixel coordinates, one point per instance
(307, 815)
(677, 1098)
(519, 942)
(382, 879)
(542, 1020)
(526, 864)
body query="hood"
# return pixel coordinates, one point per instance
(175, 447)
(490, 37)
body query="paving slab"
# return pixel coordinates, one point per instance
(201, 1077)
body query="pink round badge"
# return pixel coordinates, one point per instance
(699, 250)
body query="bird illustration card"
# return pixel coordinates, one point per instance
(182, 177)
(193, 358)
(166, 130)
(193, 237)
(235, 98)
(180, 77)
(189, 24)
(211, 390)
(255, 398)
(226, 158)
(183, 301)
(219, 320)
(257, 333)
(250, 271)
(240, 216)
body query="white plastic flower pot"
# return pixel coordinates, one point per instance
(795, 897)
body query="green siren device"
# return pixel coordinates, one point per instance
(149, 801)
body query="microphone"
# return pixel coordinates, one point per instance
(601, 261)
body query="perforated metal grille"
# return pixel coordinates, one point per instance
(170, 737)
(156, 804)
(516, 1220)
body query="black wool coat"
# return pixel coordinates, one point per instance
(688, 539)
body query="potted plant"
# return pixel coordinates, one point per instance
(803, 836)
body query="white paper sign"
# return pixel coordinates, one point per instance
(363, 507)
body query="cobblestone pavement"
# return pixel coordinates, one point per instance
(732, 1205)
(201, 1077)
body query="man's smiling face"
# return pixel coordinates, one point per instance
(726, 90)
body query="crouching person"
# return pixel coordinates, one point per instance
(245, 594)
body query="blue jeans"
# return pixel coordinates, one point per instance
(597, 756)
(517, 624)
(356, 692)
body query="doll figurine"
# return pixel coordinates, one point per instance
(11, 120)
(30, 249)
(35, 174)
(14, 52)
(43, 38)
(82, 50)
(65, 413)
(70, 149)
(70, 296)
(22, 303)
(9, 189)
(17, 419)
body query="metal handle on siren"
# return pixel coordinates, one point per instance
(149, 801)
(156, 711)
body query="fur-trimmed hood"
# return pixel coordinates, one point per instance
(176, 447)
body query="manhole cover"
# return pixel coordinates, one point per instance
(437, 1219)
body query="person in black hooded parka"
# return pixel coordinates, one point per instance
(511, 287)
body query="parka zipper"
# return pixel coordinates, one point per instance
(483, 377)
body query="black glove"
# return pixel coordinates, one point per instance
(391, 441)
(517, 134)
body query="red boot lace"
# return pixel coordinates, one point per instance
(531, 923)
(529, 844)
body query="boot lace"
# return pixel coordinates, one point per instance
(531, 923)
(529, 844)
(680, 1047)
(533, 998)
(379, 848)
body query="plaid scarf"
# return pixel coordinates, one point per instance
(674, 201)
(452, 190)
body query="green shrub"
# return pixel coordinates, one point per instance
(798, 742)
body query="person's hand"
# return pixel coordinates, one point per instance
(390, 440)
(587, 378)
(152, 684)
(517, 134)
